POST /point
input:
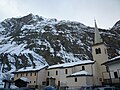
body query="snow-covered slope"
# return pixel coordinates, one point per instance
(33, 41)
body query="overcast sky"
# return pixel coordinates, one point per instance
(106, 12)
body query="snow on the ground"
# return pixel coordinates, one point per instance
(12, 48)
(39, 60)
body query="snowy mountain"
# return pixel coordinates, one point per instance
(33, 40)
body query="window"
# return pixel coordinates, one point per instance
(34, 81)
(98, 51)
(21, 74)
(75, 79)
(30, 74)
(58, 83)
(115, 74)
(26, 74)
(43, 83)
(56, 72)
(35, 73)
(48, 73)
(66, 71)
(107, 68)
(83, 67)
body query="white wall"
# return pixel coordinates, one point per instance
(34, 79)
(61, 75)
(88, 68)
(114, 68)
(99, 58)
(89, 80)
(41, 76)
(81, 81)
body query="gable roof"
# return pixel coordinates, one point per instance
(113, 60)
(25, 79)
(72, 64)
(80, 73)
(30, 69)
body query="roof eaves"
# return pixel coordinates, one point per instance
(29, 70)
(79, 75)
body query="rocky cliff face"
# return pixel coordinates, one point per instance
(33, 40)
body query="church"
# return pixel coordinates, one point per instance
(99, 71)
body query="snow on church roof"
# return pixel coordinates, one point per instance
(71, 64)
(80, 73)
(27, 69)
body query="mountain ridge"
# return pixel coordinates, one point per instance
(33, 40)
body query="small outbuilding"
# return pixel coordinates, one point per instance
(21, 82)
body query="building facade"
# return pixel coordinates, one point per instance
(100, 55)
(112, 75)
(82, 73)
(36, 76)
(59, 75)
(62, 74)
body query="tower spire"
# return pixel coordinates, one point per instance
(97, 38)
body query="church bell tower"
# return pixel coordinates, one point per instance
(100, 55)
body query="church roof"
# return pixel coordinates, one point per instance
(30, 69)
(97, 37)
(72, 64)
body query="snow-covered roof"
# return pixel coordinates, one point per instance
(80, 73)
(24, 79)
(64, 65)
(115, 59)
(28, 69)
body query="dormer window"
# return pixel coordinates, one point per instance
(98, 51)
